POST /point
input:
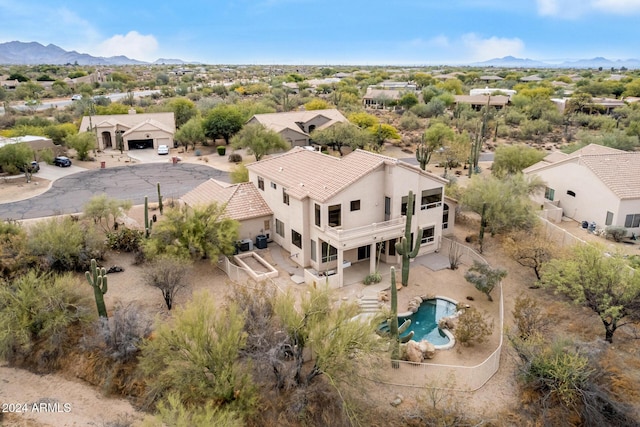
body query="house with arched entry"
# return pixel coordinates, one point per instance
(136, 131)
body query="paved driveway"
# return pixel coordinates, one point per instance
(70, 193)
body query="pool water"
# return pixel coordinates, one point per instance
(424, 322)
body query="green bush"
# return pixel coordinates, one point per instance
(124, 239)
(221, 150)
(615, 233)
(373, 278)
(473, 327)
(36, 314)
(64, 244)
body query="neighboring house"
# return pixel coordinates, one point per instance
(296, 126)
(595, 184)
(37, 144)
(405, 86)
(533, 78)
(491, 91)
(604, 105)
(243, 201)
(137, 130)
(9, 84)
(381, 98)
(478, 101)
(330, 212)
(490, 78)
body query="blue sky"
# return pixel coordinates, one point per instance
(403, 32)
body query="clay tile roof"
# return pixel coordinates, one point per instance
(620, 172)
(243, 200)
(316, 175)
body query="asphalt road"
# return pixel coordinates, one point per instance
(70, 193)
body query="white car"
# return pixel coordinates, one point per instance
(163, 149)
(76, 97)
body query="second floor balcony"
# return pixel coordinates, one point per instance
(357, 236)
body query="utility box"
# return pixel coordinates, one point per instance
(261, 241)
(246, 245)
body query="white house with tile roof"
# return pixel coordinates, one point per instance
(296, 126)
(243, 201)
(138, 130)
(595, 184)
(330, 212)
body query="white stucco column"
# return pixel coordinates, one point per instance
(372, 258)
(340, 269)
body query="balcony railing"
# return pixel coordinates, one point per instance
(385, 229)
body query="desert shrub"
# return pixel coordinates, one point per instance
(434, 108)
(196, 357)
(615, 233)
(529, 318)
(14, 258)
(535, 129)
(484, 278)
(409, 121)
(46, 155)
(198, 153)
(169, 275)
(239, 173)
(372, 278)
(235, 158)
(119, 337)
(514, 117)
(173, 412)
(64, 244)
(419, 110)
(37, 313)
(124, 239)
(473, 327)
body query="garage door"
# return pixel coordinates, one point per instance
(139, 144)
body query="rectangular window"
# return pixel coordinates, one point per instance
(335, 216)
(632, 221)
(403, 207)
(273, 185)
(445, 216)
(318, 215)
(261, 183)
(329, 253)
(387, 208)
(428, 235)
(549, 193)
(431, 198)
(267, 224)
(279, 228)
(296, 238)
(313, 250)
(285, 196)
(609, 219)
(355, 205)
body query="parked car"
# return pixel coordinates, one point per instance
(33, 167)
(76, 97)
(62, 161)
(163, 149)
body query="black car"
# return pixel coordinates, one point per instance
(62, 161)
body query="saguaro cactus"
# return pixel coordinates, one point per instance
(147, 221)
(422, 155)
(160, 207)
(97, 278)
(394, 330)
(403, 247)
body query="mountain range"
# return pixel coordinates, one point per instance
(510, 61)
(33, 53)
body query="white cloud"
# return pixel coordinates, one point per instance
(480, 49)
(133, 45)
(617, 6)
(571, 9)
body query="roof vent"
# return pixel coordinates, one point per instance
(280, 169)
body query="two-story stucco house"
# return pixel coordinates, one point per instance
(137, 130)
(330, 212)
(594, 184)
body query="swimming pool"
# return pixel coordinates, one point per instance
(424, 322)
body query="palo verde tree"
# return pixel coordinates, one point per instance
(258, 140)
(603, 282)
(105, 211)
(512, 159)
(531, 248)
(169, 275)
(82, 142)
(434, 138)
(505, 202)
(193, 233)
(484, 278)
(191, 133)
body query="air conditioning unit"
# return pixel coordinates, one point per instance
(246, 245)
